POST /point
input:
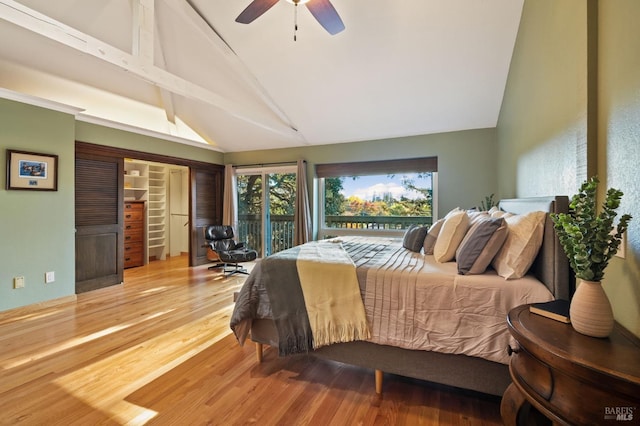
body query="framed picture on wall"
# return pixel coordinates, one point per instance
(32, 171)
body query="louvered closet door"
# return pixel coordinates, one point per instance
(99, 231)
(206, 208)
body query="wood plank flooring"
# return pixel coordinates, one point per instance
(157, 350)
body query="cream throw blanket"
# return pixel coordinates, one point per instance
(331, 293)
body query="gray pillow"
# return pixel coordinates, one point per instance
(481, 244)
(414, 238)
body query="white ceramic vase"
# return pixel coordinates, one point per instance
(590, 310)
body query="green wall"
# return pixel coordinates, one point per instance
(618, 143)
(575, 69)
(37, 229)
(542, 128)
(466, 161)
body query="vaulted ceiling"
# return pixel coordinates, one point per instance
(187, 69)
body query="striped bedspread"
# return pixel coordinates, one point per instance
(410, 301)
(414, 302)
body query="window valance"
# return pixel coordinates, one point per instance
(363, 168)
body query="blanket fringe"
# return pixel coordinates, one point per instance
(340, 334)
(295, 345)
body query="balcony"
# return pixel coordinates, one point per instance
(281, 232)
(375, 222)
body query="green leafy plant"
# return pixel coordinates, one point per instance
(487, 203)
(588, 238)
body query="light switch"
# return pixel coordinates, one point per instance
(18, 282)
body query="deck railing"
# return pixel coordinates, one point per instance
(375, 222)
(280, 234)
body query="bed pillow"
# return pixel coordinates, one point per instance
(521, 246)
(432, 236)
(454, 228)
(478, 248)
(414, 238)
(453, 211)
(434, 230)
(501, 213)
(476, 216)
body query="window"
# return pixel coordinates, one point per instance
(381, 197)
(266, 200)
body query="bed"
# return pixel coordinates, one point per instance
(467, 349)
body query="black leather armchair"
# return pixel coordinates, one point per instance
(226, 251)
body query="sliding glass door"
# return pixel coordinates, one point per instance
(250, 210)
(266, 200)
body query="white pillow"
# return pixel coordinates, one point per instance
(452, 212)
(434, 230)
(521, 246)
(476, 216)
(454, 228)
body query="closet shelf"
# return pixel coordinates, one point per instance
(149, 184)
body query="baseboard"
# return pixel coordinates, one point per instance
(182, 253)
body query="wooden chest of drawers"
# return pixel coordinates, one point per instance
(133, 233)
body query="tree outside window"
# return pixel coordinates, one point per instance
(389, 201)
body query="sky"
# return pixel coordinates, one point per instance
(366, 187)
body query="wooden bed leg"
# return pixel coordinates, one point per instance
(259, 351)
(379, 375)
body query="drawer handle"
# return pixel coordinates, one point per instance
(127, 238)
(128, 227)
(511, 350)
(128, 216)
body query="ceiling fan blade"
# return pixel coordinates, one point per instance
(255, 10)
(326, 15)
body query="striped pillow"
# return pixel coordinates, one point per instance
(482, 242)
(432, 236)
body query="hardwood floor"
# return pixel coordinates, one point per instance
(158, 350)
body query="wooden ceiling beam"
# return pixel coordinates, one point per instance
(190, 13)
(143, 14)
(34, 21)
(147, 45)
(165, 95)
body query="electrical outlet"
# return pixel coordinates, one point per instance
(49, 277)
(18, 282)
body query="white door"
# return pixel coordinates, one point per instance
(178, 211)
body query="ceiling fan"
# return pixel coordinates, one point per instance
(322, 10)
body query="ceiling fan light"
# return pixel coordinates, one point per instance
(298, 2)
